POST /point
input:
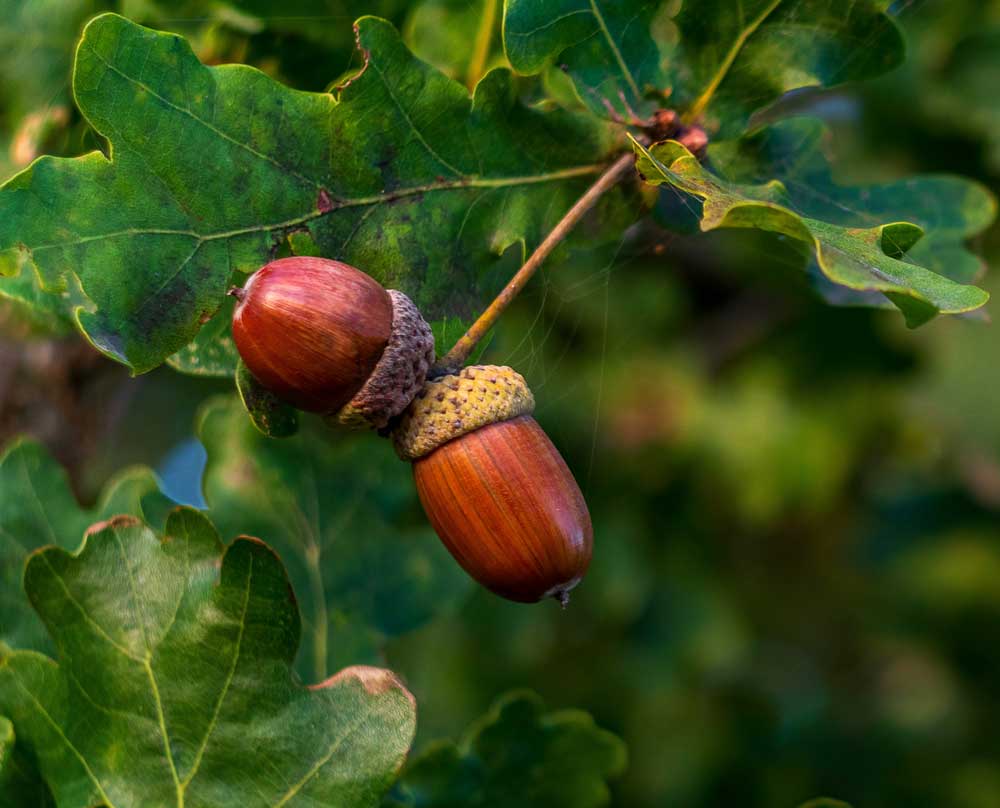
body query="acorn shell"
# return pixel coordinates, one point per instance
(311, 330)
(507, 507)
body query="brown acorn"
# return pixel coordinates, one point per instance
(493, 486)
(327, 338)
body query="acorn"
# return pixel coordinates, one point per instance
(327, 338)
(494, 487)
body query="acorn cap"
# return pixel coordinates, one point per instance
(399, 374)
(457, 404)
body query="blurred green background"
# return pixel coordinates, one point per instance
(796, 580)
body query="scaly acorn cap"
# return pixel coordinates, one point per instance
(457, 404)
(399, 374)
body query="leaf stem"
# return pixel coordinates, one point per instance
(457, 356)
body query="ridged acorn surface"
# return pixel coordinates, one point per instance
(494, 487)
(327, 338)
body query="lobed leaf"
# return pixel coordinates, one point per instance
(174, 684)
(516, 755)
(866, 259)
(37, 507)
(403, 175)
(342, 512)
(738, 56)
(717, 60)
(36, 52)
(613, 52)
(950, 210)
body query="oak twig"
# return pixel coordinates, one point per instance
(456, 357)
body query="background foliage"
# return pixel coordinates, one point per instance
(795, 506)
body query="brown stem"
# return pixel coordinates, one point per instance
(456, 357)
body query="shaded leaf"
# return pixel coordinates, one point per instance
(342, 512)
(866, 259)
(738, 56)
(720, 60)
(272, 416)
(516, 755)
(37, 507)
(212, 352)
(36, 51)
(616, 53)
(327, 22)
(21, 785)
(950, 210)
(174, 684)
(824, 802)
(405, 177)
(459, 37)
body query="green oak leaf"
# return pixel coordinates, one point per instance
(272, 416)
(958, 94)
(36, 52)
(342, 512)
(211, 167)
(950, 210)
(213, 351)
(616, 53)
(860, 258)
(21, 785)
(459, 37)
(174, 683)
(717, 60)
(520, 755)
(24, 303)
(37, 507)
(737, 56)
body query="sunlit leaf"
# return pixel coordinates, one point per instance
(866, 258)
(405, 176)
(174, 685)
(950, 210)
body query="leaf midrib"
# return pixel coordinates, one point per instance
(615, 50)
(180, 785)
(339, 204)
(703, 100)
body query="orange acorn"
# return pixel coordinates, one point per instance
(494, 487)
